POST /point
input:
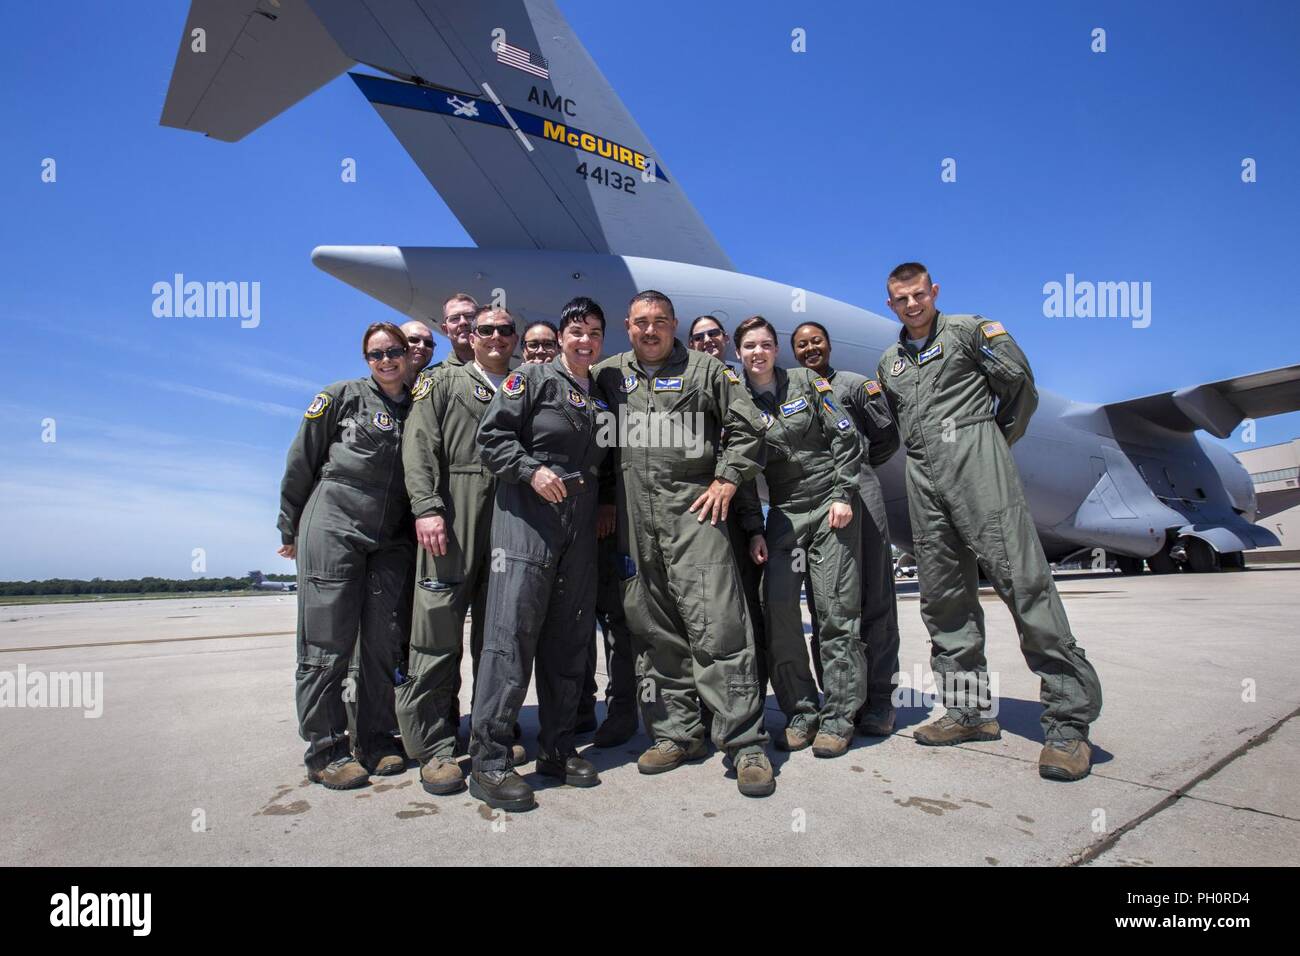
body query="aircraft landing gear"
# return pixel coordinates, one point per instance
(1201, 558)
(1127, 565)
(1162, 563)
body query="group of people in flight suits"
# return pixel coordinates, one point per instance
(576, 491)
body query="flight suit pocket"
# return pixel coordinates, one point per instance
(715, 610)
(331, 614)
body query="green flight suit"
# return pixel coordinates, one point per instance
(343, 504)
(682, 593)
(444, 476)
(961, 400)
(814, 460)
(865, 401)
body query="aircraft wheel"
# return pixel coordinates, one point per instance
(1127, 565)
(1161, 563)
(1201, 558)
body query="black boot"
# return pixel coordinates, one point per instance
(570, 768)
(502, 790)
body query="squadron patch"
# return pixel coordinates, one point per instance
(318, 405)
(789, 408)
(629, 384)
(422, 388)
(821, 385)
(732, 377)
(383, 421)
(933, 352)
(897, 367)
(767, 418)
(483, 393)
(668, 385)
(514, 385)
(992, 330)
(871, 386)
(577, 399)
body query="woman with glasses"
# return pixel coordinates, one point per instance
(541, 343)
(813, 524)
(344, 517)
(707, 335)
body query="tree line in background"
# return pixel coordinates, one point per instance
(129, 585)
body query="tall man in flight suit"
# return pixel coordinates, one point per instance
(676, 476)
(865, 401)
(451, 497)
(962, 392)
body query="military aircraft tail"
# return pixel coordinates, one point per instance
(499, 104)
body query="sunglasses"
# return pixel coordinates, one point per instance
(707, 334)
(416, 340)
(505, 330)
(377, 355)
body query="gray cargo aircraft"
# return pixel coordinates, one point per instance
(513, 123)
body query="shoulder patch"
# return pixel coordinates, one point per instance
(992, 330)
(318, 405)
(821, 385)
(629, 384)
(603, 406)
(577, 399)
(422, 388)
(871, 387)
(732, 377)
(513, 386)
(483, 393)
(383, 421)
(767, 418)
(897, 367)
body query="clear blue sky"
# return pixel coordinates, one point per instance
(171, 432)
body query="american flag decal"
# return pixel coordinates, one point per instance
(521, 59)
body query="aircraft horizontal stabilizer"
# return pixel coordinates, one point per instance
(1219, 407)
(240, 66)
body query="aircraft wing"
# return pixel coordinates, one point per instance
(1219, 407)
(499, 104)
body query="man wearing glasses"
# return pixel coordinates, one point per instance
(541, 343)
(457, 325)
(419, 343)
(451, 496)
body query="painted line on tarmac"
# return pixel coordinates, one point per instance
(1101, 846)
(156, 640)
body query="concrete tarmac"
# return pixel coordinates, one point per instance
(195, 759)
